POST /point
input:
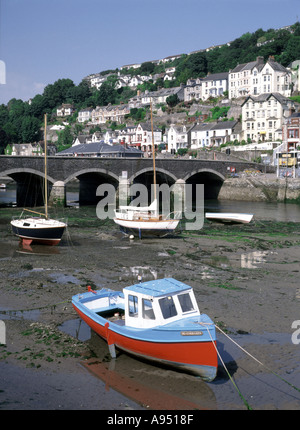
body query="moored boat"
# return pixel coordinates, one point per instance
(42, 229)
(229, 217)
(145, 221)
(38, 230)
(156, 320)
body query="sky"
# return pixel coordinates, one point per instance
(42, 41)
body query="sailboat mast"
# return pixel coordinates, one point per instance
(46, 186)
(153, 153)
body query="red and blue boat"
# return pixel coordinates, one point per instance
(156, 320)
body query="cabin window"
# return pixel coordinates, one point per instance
(148, 312)
(167, 307)
(133, 306)
(185, 302)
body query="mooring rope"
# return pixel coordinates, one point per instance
(250, 355)
(229, 376)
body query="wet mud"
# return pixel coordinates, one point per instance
(245, 277)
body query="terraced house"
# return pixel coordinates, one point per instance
(257, 78)
(263, 116)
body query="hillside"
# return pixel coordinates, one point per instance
(22, 121)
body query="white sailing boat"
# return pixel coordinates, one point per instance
(41, 229)
(146, 220)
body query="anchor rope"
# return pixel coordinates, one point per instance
(250, 355)
(229, 376)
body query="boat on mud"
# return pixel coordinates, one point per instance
(155, 320)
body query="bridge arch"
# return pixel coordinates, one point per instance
(204, 171)
(30, 185)
(89, 180)
(103, 172)
(13, 173)
(211, 179)
(146, 170)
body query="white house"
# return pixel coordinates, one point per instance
(200, 135)
(256, 78)
(143, 137)
(263, 115)
(135, 81)
(225, 131)
(84, 115)
(214, 134)
(193, 90)
(177, 137)
(214, 85)
(65, 110)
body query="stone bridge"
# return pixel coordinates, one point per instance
(28, 173)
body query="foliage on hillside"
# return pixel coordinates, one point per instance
(22, 122)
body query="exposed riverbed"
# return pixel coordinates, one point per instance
(246, 278)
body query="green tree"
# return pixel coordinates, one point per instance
(30, 129)
(147, 68)
(65, 138)
(172, 100)
(56, 94)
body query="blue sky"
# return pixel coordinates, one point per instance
(42, 41)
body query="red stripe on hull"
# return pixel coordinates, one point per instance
(183, 353)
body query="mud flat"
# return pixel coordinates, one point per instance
(246, 278)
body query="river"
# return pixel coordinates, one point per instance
(285, 212)
(251, 300)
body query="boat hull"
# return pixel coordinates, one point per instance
(147, 228)
(196, 357)
(233, 218)
(36, 232)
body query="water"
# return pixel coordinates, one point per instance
(8, 196)
(284, 212)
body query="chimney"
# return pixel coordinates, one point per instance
(260, 59)
(271, 58)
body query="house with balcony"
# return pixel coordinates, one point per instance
(263, 116)
(214, 134)
(257, 77)
(225, 131)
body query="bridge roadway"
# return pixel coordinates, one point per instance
(28, 172)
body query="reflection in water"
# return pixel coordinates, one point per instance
(24, 248)
(252, 260)
(151, 386)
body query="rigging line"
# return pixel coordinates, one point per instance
(266, 367)
(229, 376)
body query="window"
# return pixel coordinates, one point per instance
(147, 309)
(185, 302)
(133, 306)
(167, 307)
